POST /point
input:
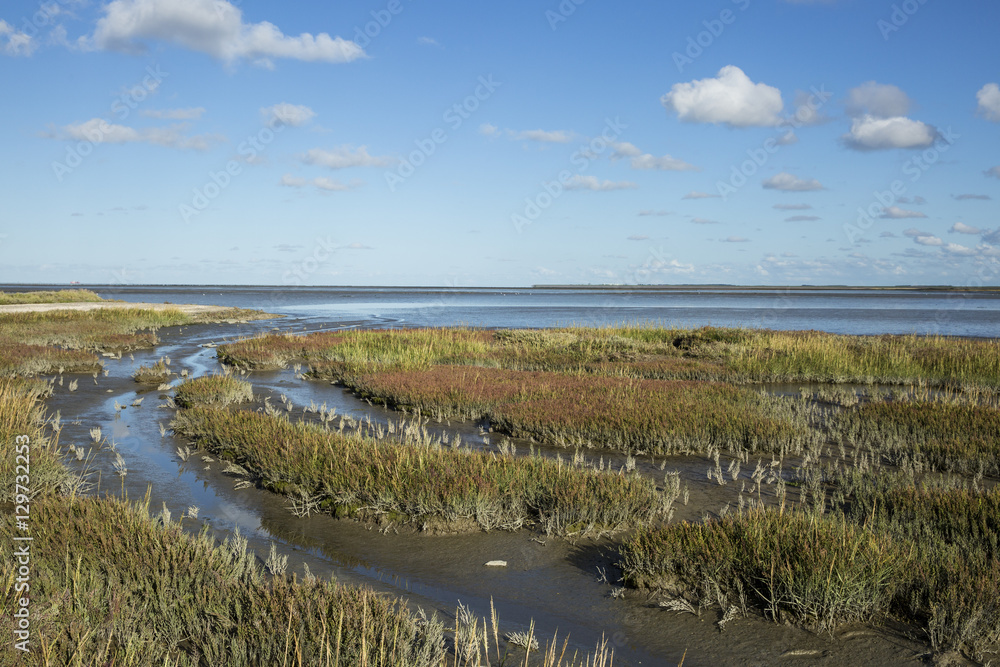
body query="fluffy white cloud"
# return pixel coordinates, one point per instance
(489, 130)
(897, 213)
(544, 136)
(623, 149)
(99, 131)
(962, 228)
(328, 184)
(13, 42)
(731, 98)
(665, 163)
(193, 113)
(580, 182)
(871, 133)
(288, 114)
(879, 100)
(215, 27)
(956, 249)
(345, 157)
(929, 241)
(789, 183)
(989, 102)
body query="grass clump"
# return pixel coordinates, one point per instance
(22, 414)
(218, 390)
(794, 566)
(112, 585)
(157, 373)
(350, 475)
(630, 415)
(944, 436)
(58, 296)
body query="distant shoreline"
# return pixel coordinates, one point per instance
(774, 288)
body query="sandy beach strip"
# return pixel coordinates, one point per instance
(187, 309)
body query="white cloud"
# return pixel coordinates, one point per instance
(580, 182)
(99, 131)
(789, 183)
(803, 218)
(344, 157)
(13, 42)
(929, 241)
(322, 183)
(214, 27)
(428, 41)
(192, 113)
(731, 99)
(956, 249)
(967, 197)
(704, 221)
(735, 239)
(288, 114)
(993, 171)
(489, 130)
(871, 133)
(896, 213)
(544, 136)
(962, 228)
(989, 102)
(793, 207)
(787, 139)
(665, 163)
(914, 233)
(879, 100)
(695, 194)
(649, 212)
(623, 149)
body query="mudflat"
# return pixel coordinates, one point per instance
(187, 309)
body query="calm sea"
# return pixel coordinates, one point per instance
(848, 311)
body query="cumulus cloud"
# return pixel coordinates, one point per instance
(879, 100)
(929, 241)
(544, 136)
(956, 249)
(13, 42)
(322, 183)
(789, 183)
(345, 157)
(989, 102)
(665, 163)
(787, 139)
(489, 130)
(295, 115)
(623, 149)
(100, 131)
(193, 113)
(914, 233)
(215, 27)
(962, 228)
(897, 213)
(580, 182)
(695, 194)
(869, 133)
(731, 98)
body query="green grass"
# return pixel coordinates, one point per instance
(60, 296)
(22, 414)
(217, 390)
(741, 355)
(798, 567)
(349, 475)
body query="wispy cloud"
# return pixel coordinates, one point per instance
(788, 183)
(580, 182)
(344, 157)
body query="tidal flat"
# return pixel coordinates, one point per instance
(845, 520)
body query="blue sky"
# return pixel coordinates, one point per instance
(404, 142)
